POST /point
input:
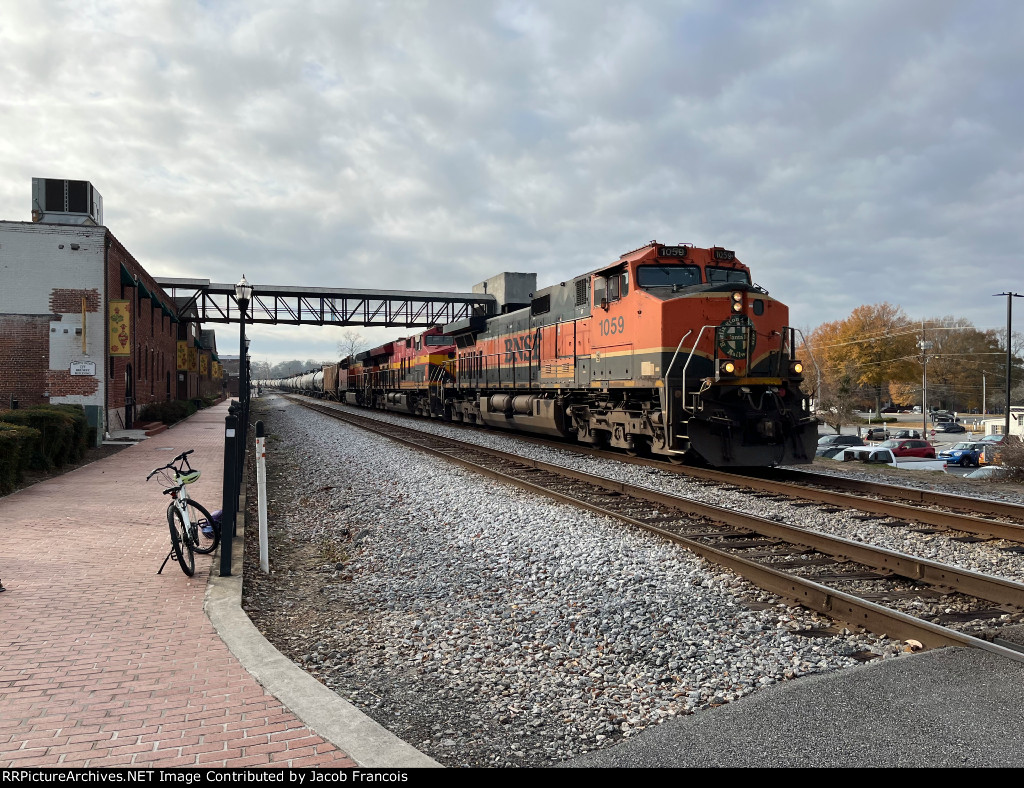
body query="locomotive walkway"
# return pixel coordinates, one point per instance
(105, 663)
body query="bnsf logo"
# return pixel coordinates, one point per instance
(519, 349)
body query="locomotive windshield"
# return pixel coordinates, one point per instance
(674, 276)
(718, 275)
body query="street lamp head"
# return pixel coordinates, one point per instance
(243, 290)
(247, 341)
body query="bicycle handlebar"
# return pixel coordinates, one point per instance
(171, 466)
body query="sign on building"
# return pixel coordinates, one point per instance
(119, 328)
(87, 368)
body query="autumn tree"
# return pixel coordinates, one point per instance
(873, 347)
(958, 357)
(902, 392)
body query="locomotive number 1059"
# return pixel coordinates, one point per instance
(614, 325)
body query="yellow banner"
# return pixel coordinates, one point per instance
(119, 328)
(216, 369)
(204, 364)
(193, 359)
(182, 356)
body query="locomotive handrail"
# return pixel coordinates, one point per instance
(817, 367)
(689, 358)
(668, 393)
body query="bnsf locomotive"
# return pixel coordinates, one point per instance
(670, 350)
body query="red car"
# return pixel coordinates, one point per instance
(909, 448)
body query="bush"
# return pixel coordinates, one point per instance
(63, 432)
(1011, 456)
(167, 412)
(16, 447)
(82, 430)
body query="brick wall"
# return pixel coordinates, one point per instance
(47, 270)
(24, 358)
(66, 300)
(154, 349)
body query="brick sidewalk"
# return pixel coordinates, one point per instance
(103, 662)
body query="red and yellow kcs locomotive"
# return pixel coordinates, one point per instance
(670, 350)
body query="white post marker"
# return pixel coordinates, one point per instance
(261, 495)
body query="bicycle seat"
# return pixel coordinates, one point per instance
(188, 478)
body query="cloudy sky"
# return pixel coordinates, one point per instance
(850, 152)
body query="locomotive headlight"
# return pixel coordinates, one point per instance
(726, 367)
(796, 368)
(737, 302)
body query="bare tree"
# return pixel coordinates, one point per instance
(351, 342)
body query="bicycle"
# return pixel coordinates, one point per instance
(193, 528)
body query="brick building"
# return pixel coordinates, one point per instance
(82, 322)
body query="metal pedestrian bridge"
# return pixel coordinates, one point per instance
(211, 302)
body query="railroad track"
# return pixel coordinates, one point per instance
(939, 512)
(867, 587)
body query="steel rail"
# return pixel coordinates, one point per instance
(846, 607)
(952, 520)
(929, 497)
(764, 481)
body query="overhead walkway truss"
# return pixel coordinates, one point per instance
(210, 302)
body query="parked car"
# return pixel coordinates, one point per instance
(876, 434)
(879, 456)
(828, 442)
(964, 454)
(948, 426)
(988, 472)
(905, 434)
(994, 438)
(909, 448)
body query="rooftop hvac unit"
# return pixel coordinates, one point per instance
(66, 202)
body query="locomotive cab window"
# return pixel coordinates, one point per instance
(675, 277)
(718, 275)
(611, 287)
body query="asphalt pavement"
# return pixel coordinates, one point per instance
(947, 708)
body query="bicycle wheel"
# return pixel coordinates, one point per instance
(181, 545)
(205, 530)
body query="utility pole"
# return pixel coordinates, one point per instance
(925, 347)
(1009, 356)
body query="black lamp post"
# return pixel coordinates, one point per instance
(243, 292)
(248, 377)
(1009, 356)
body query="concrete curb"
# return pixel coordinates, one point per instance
(368, 743)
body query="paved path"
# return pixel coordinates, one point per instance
(103, 662)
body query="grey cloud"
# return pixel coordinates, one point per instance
(835, 146)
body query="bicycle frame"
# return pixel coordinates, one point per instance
(179, 473)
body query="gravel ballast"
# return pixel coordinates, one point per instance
(490, 627)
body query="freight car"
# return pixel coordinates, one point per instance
(670, 350)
